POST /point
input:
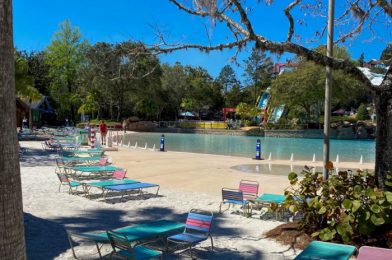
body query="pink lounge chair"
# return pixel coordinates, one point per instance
(103, 161)
(119, 174)
(250, 189)
(370, 253)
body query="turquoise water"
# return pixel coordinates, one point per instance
(244, 146)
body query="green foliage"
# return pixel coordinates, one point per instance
(227, 79)
(246, 111)
(346, 207)
(304, 87)
(362, 113)
(65, 56)
(386, 54)
(258, 72)
(361, 60)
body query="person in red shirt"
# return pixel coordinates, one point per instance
(103, 128)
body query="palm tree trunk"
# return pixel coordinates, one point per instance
(383, 165)
(12, 242)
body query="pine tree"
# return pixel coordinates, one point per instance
(362, 113)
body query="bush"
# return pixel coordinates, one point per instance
(362, 113)
(348, 207)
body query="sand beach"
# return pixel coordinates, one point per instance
(187, 180)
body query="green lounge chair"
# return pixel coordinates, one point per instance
(267, 200)
(122, 247)
(326, 251)
(134, 233)
(72, 185)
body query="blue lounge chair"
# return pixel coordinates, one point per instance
(197, 229)
(326, 251)
(233, 197)
(124, 189)
(122, 247)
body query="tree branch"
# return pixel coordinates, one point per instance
(384, 5)
(290, 18)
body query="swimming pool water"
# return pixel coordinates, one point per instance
(244, 146)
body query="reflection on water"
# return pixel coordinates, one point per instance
(274, 168)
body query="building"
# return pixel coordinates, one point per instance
(42, 111)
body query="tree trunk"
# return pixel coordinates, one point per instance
(383, 104)
(30, 115)
(12, 241)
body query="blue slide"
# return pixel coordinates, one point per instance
(263, 101)
(277, 112)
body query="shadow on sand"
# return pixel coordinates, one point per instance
(47, 238)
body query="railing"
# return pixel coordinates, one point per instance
(193, 124)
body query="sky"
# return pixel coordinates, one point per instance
(35, 22)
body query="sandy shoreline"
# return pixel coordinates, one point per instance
(187, 181)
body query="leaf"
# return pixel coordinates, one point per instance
(315, 234)
(388, 195)
(378, 221)
(347, 204)
(356, 205)
(375, 208)
(322, 210)
(326, 234)
(293, 208)
(292, 176)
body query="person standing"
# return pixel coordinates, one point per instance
(103, 128)
(25, 123)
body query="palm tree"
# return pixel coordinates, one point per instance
(12, 242)
(24, 84)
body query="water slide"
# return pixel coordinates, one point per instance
(277, 112)
(263, 101)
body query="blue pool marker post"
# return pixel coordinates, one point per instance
(258, 149)
(162, 147)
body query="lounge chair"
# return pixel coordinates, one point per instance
(197, 229)
(134, 233)
(64, 181)
(268, 200)
(125, 189)
(250, 189)
(233, 197)
(326, 251)
(122, 247)
(370, 253)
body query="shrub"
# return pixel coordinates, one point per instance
(347, 207)
(362, 113)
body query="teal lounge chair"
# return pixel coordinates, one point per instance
(72, 185)
(326, 251)
(134, 233)
(267, 200)
(122, 247)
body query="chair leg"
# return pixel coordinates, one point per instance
(190, 251)
(60, 186)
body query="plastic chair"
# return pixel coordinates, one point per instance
(197, 229)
